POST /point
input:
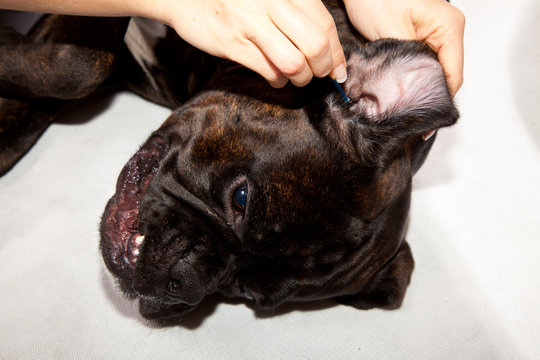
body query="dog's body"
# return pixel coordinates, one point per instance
(270, 195)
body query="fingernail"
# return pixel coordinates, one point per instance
(340, 73)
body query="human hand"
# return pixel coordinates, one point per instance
(435, 22)
(279, 39)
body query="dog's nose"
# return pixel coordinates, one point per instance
(185, 284)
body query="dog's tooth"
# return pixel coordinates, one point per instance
(428, 135)
(136, 252)
(139, 239)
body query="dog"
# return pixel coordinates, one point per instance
(267, 195)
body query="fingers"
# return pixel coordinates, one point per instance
(381, 19)
(447, 41)
(279, 39)
(317, 12)
(314, 56)
(451, 58)
(282, 53)
(304, 42)
(254, 58)
(451, 53)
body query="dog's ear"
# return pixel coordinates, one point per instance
(391, 79)
(397, 90)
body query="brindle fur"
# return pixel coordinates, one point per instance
(328, 199)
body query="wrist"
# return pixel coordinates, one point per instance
(159, 10)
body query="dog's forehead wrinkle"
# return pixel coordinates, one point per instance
(178, 200)
(234, 137)
(219, 145)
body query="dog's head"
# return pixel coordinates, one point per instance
(281, 195)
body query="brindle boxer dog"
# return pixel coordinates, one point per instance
(248, 191)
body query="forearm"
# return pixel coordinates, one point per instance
(84, 7)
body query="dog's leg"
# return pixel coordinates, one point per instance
(63, 57)
(387, 288)
(61, 60)
(20, 125)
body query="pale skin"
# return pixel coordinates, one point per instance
(286, 40)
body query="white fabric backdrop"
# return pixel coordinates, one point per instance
(474, 232)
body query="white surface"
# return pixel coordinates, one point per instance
(475, 235)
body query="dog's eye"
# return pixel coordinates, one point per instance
(240, 198)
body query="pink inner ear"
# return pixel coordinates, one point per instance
(387, 86)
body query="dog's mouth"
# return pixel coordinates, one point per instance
(120, 236)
